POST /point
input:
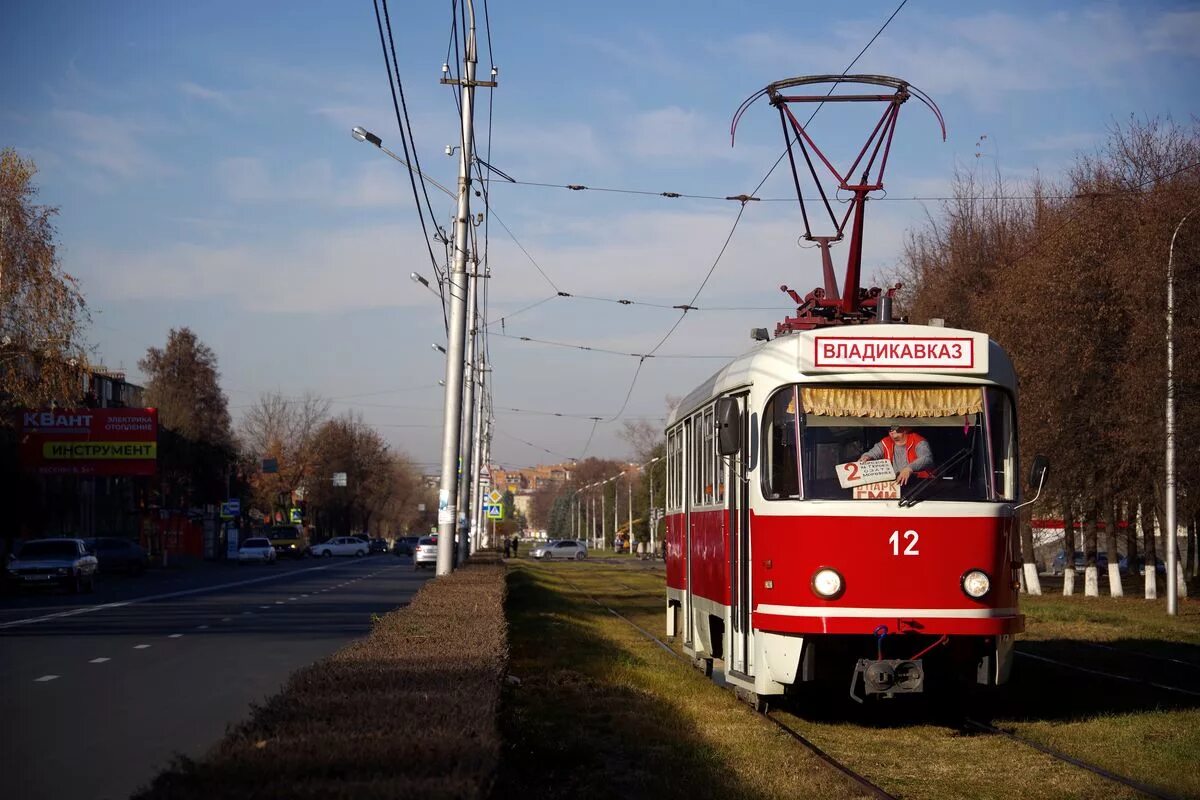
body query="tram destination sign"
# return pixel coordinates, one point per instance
(90, 441)
(956, 352)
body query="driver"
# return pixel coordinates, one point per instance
(908, 451)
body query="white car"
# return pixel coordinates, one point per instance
(425, 553)
(566, 548)
(256, 549)
(64, 562)
(341, 546)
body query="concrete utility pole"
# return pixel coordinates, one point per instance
(616, 508)
(452, 417)
(629, 486)
(470, 436)
(1170, 524)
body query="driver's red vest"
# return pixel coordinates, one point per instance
(910, 445)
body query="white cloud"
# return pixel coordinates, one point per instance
(217, 98)
(112, 145)
(318, 271)
(316, 182)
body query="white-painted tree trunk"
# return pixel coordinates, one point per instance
(1068, 581)
(1114, 580)
(1033, 583)
(1151, 583)
(1091, 581)
(1180, 581)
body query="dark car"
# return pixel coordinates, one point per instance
(1060, 561)
(1139, 564)
(405, 545)
(379, 546)
(118, 555)
(49, 562)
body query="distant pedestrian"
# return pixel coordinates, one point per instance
(516, 547)
(507, 547)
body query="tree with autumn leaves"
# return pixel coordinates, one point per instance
(1070, 278)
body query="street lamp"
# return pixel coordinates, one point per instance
(364, 135)
(1172, 564)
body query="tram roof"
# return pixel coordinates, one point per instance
(790, 359)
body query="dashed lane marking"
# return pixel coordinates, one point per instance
(175, 636)
(201, 627)
(99, 660)
(141, 647)
(45, 679)
(150, 598)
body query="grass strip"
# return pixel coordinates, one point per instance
(603, 712)
(407, 711)
(915, 750)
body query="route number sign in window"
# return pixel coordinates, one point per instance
(860, 473)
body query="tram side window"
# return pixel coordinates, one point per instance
(710, 457)
(781, 478)
(695, 448)
(1004, 445)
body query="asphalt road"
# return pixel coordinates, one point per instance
(96, 697)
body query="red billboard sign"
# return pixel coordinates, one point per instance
(90, 441)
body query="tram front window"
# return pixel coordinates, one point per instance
(972, 447)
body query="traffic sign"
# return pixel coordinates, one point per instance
(231, 509)
(493, 510)
(495, 496)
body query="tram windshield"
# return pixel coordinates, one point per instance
(960, 441)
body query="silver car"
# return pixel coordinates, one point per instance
(566, 548)
(425, 553)
(49, 562)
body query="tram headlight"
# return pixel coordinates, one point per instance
(976, 583)
(827, 583)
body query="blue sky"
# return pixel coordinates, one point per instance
(201, 158)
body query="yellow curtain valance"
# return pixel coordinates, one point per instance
(895, 403)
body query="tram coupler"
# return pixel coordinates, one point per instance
(887, 677)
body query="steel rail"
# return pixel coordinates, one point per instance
(825, 758)
(1137, 786)
(1142, 681)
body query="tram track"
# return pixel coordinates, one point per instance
(1111, 675)
(876, 791)
(824, 758)
(1137, 786)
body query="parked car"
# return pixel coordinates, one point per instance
(1058, 564)
(378, 546)
(116, 554)
(288, 540)
(340, 546)
(1139, 563)
(425, 553)
(566, 548)
(405, 545)
(257, 548)
(49, 562)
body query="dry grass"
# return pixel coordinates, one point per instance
(916, 750)
(407, 711)
(601, 712)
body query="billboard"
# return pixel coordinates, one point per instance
(89, 441)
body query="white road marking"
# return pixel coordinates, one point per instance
(169, 595)
(99, 660)
(201, 627)
(45, 678)
(293, 598)
(141, 646)
(264, 606)
(277, 602)
(247, 613)
(226, 619)
(175, 636)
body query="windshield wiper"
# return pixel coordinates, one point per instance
(926, 483)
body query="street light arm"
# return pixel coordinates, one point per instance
(364, 135)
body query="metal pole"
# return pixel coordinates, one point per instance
(1172, 565)
(629, 486)
(603, 517)
(616, 509)
(476, 517)
(466, 495)
(452, 417)
(653, 518)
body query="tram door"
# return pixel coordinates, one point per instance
(739, 548)
(688, 457)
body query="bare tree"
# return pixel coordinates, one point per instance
(283, 429)
(42, 311)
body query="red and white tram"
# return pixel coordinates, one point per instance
(787, 576)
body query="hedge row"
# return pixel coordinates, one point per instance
(407, 711)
